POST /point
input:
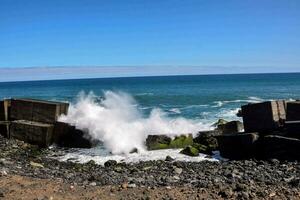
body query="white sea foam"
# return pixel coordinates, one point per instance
(136, 157)
(175, 110)
(229, 114)
(120, 125)
(249, 100)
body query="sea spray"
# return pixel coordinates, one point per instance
(116, 121)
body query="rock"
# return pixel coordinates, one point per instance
(134, 150)
(93, 184)
(110, 163)
(203, 149)
(34, 164)
(181, 141)
(132, 185)
(208, 138)
(231, 127)
(190, 151)
(282, 148)
(178, 170)
(237, 146)
(154, 142)
(3, 172)
(220, 122)
(169, 159)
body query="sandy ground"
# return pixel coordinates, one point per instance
(20, 187)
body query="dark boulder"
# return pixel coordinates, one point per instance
(110, 163)
(237, 146)
(154, 142)
(190, 151)
(208, 138)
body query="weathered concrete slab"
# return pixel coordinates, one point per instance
(4, 128)
(37, 110)
(231, 127)
(263, 117)
(293, 129)
(237, 146)
(274, 146)
(4, 109)
(293, 111)
(32, 132)
(66, 135)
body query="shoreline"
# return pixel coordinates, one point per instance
(245, 179)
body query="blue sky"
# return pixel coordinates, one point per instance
(151, 36)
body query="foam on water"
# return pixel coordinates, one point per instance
(83, 157)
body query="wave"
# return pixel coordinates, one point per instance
(249, 100)
(121, 126)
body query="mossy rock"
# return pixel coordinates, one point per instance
(220, 122)
(181, 142)
(190, 151)
(156, 142)
(203, 148)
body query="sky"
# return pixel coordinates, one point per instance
(55, 39)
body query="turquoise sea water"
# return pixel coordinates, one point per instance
(203, 97)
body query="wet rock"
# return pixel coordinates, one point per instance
(134, 150)
(190, 151)
(208, 138)
(154, 142)
(169, 159)
(110, 163)
(178, 170)
(231, 127)
(34, 164)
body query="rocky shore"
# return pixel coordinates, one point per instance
(171, 179)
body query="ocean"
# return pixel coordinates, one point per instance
(123, 110)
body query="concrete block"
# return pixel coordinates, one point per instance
(293, 111)
(274, 146)
(66, 135)
(237, 146)
(263, 117)
(293, 129)
(5, 128)
(5, 109)
(37, 110)
(32, 132)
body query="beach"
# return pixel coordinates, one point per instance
(29, 173)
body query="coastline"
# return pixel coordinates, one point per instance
(24, 167)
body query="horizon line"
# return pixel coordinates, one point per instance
(149, 76)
